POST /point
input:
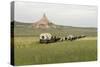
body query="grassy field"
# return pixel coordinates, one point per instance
(25, 29)
(28, 50)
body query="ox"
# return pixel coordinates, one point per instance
(71, 37)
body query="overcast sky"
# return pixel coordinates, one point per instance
(62, 14)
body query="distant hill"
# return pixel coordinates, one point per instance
(28, 29)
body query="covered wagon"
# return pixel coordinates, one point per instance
(48, 38)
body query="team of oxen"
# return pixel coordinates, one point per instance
(48, 38)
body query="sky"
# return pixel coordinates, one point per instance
(61, 14)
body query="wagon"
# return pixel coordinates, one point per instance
(48, 38)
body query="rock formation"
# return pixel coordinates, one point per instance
(42, 23)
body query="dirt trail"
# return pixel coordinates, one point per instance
(88, 38)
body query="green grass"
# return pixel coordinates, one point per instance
(26, 29)
(28, 50)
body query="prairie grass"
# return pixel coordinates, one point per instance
(28, 51)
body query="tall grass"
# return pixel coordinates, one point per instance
(28, 50)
